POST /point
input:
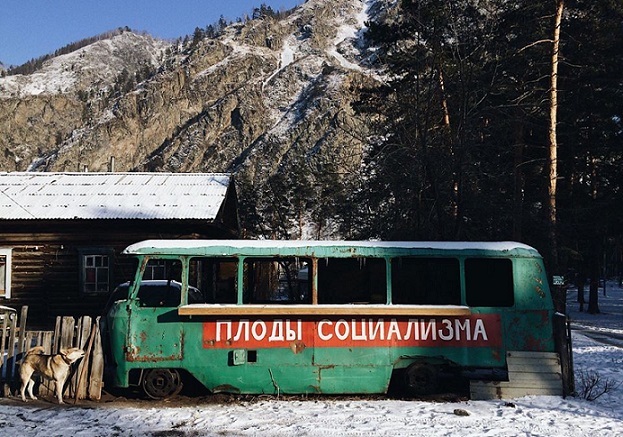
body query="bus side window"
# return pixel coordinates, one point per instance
(213, 279)
(352, 280)
(489, 282)
(277, 280)
(426, 281)
(159, 293)
(168, 269)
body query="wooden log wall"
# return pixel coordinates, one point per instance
(86, 380)
(46, 260)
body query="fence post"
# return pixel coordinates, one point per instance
(10, 365)
(5, 329)
(21, 347)
(562, 340)
(81, 393)
(57, 335)
(80, 388)
(97, 366)
(68, 332)
(7, 362)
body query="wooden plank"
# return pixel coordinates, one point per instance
(490, 391)
(51, 346)
(21, 347)
(324, 310)
(57, 334)
(530, 354)
(80, 387)
(3, 345)
(535, 385)
(534, 366)
(47, 341)
(11, 349)
(67, 332)
(535, 377)
(532, 362)
(82, 380)
(529, 373)
(7, 325)
(97, 367)
(30, 338)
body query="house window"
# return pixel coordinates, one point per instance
(95, 270)
(169, 269)
(156, 269)
(5, 273)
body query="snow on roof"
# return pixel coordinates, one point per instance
(310, 246)
(53, 196)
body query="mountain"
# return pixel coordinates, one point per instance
(267, 99)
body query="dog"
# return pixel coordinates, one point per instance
(53, 367)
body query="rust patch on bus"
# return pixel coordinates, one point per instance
(540, 291)
(225, 388)
(297, 347)
(149, 358)
(133, 353)
(535, 344)
(326, 366)
(495, 353)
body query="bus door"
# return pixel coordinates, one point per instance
(346, 357)
(155, 333)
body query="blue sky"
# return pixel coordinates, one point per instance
(33, 28)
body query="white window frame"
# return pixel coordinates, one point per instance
(6, 253)
(85, 252)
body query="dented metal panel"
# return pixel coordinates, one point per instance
(154, 335)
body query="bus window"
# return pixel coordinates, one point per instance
(215, 278)
(426, 281)
(277, 280)
(169, 269)
(351, 280)
(159, 293)
(489, 282)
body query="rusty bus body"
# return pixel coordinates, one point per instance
(325, 316)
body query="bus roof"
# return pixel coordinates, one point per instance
(325, 248)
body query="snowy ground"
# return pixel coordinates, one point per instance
(322, 416)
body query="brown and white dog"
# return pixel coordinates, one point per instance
(53, 367)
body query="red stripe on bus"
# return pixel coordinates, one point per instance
(477, 330)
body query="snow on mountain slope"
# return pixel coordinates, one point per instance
(94, 66)
(318, 56)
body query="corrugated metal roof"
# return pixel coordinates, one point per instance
(112, 195)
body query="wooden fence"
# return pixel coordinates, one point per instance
(87, 375)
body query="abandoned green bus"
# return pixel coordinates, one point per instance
(335, 317)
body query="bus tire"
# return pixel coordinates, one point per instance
(161, 383)
(421, 379)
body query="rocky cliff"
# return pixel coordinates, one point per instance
(268, 99)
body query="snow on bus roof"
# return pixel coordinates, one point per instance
(164, 246)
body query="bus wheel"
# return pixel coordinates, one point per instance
(161, 383)
(421, 379)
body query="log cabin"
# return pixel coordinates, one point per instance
(62, 234)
